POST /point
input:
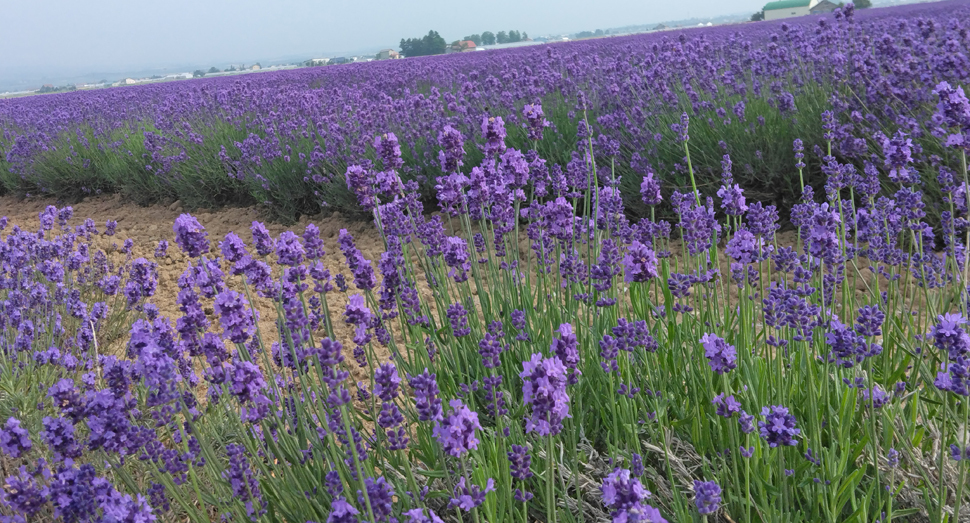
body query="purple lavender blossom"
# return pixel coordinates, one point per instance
(458, 318)
(261, 239)
(426, 400)
(235, 316)
(707, 496)
(639, 263)
(535, 122)
(726, 407)
(456, 432)
(468, 497)
(778, 429)
(493, 130)
(626, 495)
(544, 388)
(357, 313)
(721, 355)
(14, 440)
(190, 236)
(650, 189)
(416, 515)
(289, 249)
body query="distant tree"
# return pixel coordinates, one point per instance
(863, 4)
(502, 37)
(430, 44)
(212, 70)
(199, 73)
(525, 35)
(514, 36)
(232, 68)
(598, 32)
(477, 38)
(757, 17)
(584, 34)
(103, 82)
(488, 38)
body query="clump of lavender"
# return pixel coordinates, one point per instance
(778, 428)
(544, 389)
(535, 121)
(191, 236)
(14, 440)
(457, 431)
(640, 263)
(721, 355)
(707, 496)
(626, 496)
(650, 189)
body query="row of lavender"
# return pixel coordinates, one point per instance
(607, 372)
(283, 139)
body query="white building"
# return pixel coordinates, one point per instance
(788, 8)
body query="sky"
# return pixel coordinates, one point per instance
(43, 37)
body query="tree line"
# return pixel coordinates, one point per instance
(432, 43)
(490, 38)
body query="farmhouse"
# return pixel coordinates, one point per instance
(388, 54)
(789, 8)
(824, 6)
(460, 46)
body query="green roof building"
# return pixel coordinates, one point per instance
(788, 8)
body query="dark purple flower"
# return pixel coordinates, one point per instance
(243, 481)
(722, 356)
(458, 317)
(262, 239)
(519, 462)
(416, 515)
(456, 432)
(707, 496)
(650, 189)
(778, 428)
(626, 495)
(468, 497)
(233, 248)
(14, 440)
(456, 257)
(544, 388)
(312, 243)
(342, 512)
(747, 422)
(535, 122)
(191, 236)
(289, 249)
(426, 401)
(566, 348)
(386, 382)
(357, 312)
(452, 149)
(726, 407)
(235, 316)
(639, 263)
(493, 130)
(162, 249)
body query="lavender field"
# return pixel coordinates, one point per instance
(285, 139)
(708, 275)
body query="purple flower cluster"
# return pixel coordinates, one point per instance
(544, 389)
(456, 432)
(626, 496)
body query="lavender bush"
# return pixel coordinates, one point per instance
(285, 139)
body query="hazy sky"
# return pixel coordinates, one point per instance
(40, 35)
